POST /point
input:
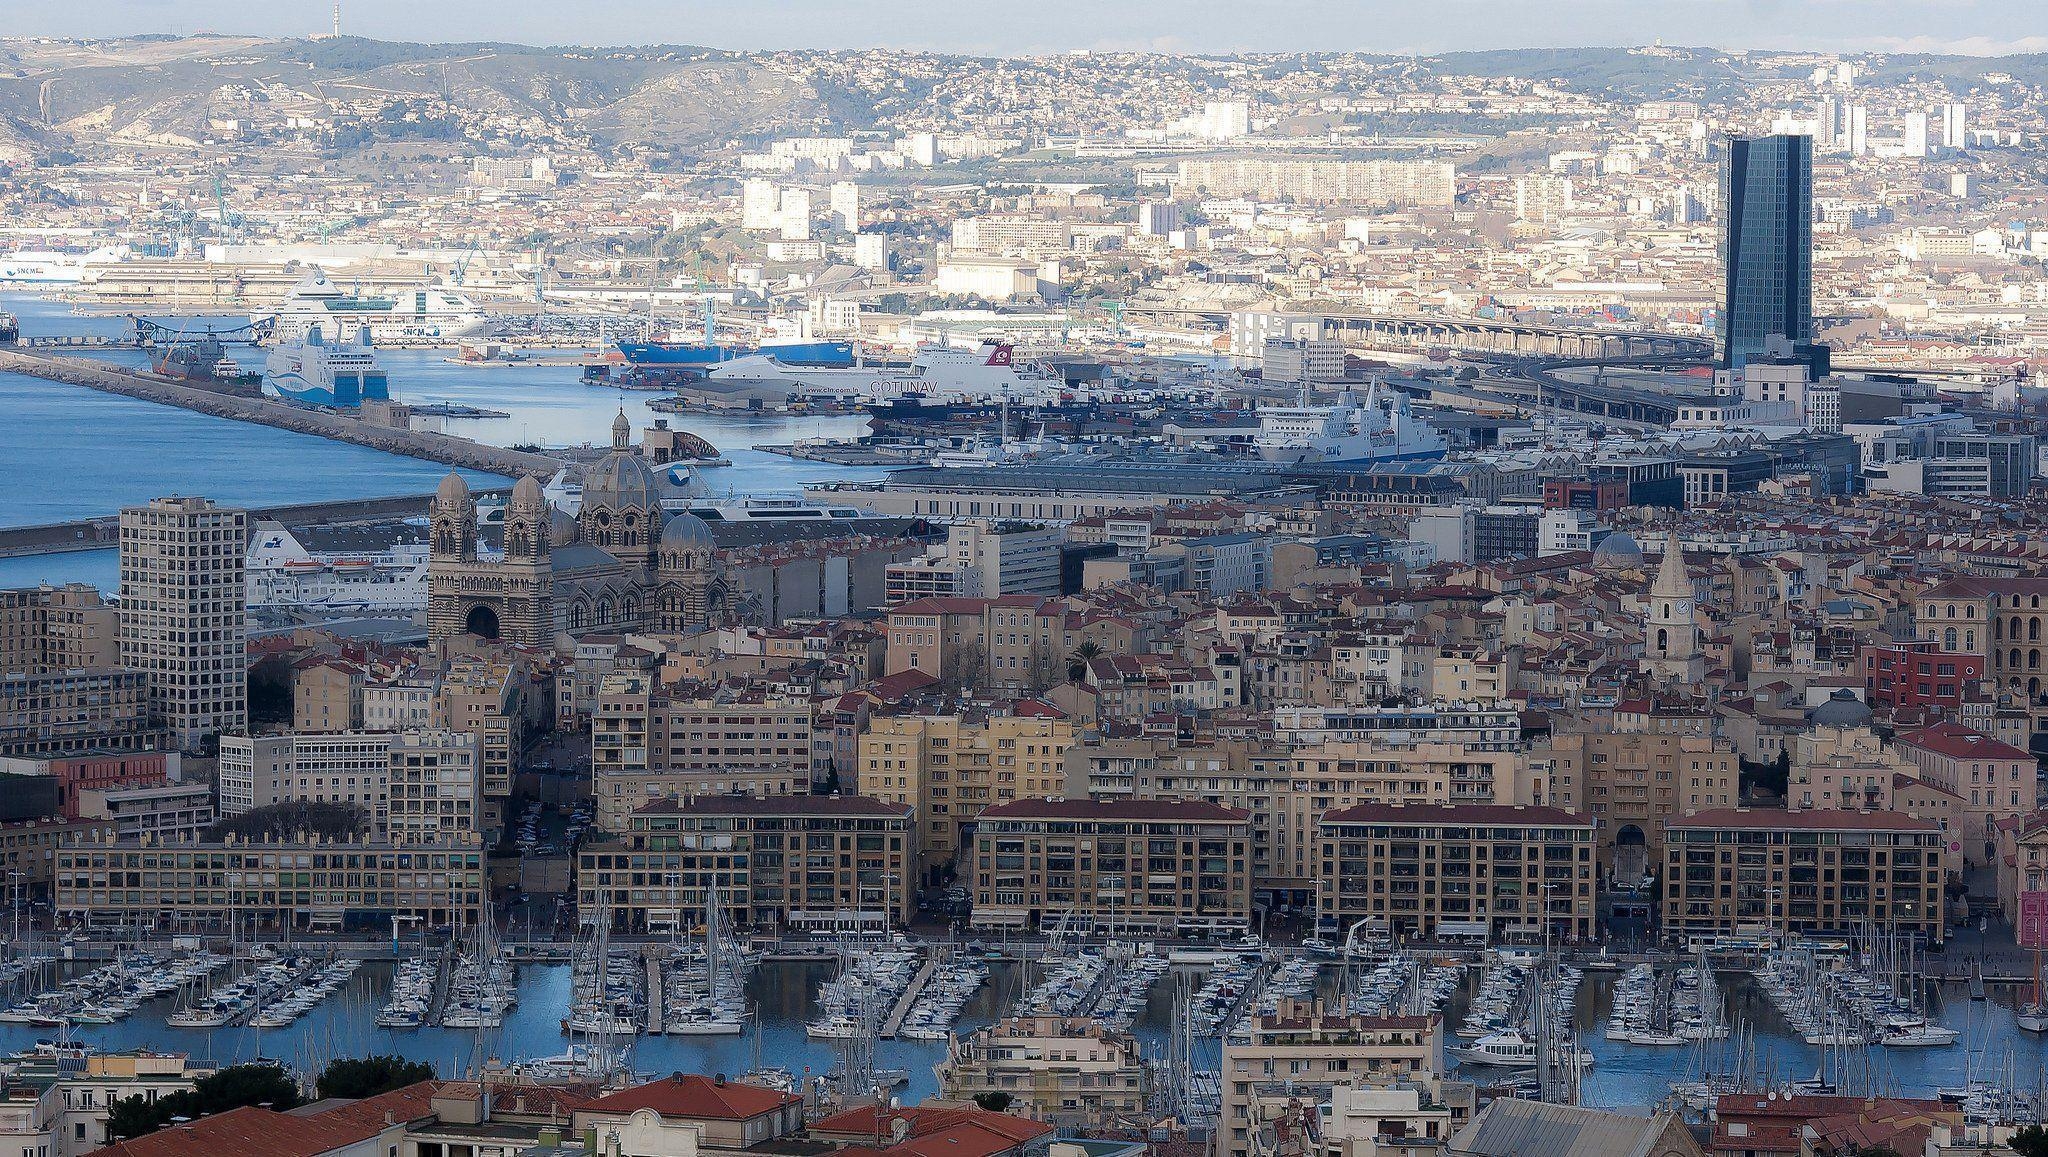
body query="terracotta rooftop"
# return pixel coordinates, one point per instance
(695, 1096)
(1112, 810)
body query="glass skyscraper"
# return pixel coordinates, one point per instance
(1766, 244)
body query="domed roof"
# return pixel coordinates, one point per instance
(1618, 551)
(621, 480)
(687, 530)
(452, 490)
(1842, 709)
(526, 491)
(562, 529)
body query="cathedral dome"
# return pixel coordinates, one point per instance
(527, 492)
(562, 530)
(621, 481)
(1618, 551)
(686, 531)
(453, 490)
(1842, 709)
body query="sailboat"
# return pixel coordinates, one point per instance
(2033, 1016)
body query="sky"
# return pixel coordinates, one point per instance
(1019, 27)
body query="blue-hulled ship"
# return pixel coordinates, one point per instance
(311, 372)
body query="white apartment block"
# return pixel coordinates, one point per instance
(183, 614)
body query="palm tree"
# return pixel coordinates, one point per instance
(1079, 659)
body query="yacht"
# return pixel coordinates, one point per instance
(424, 314)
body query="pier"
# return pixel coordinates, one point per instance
(433, 447)
(909, 997)
(104, 532)
(657, 991)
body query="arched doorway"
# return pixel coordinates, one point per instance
(1631, 855)
(481, 622)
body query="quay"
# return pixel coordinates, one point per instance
(433, 447)
(104, 533)
(909, 997)
(848, 454)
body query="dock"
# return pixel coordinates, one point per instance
(104, 532)
(909, 997)
(657, 991)
(428, 445)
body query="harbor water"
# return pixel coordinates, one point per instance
(68, 452)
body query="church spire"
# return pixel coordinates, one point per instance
(622, 431)
(1672, 582)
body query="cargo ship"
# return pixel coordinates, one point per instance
(312, 372)
(203, 361)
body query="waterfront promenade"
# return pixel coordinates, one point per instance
(433, 447)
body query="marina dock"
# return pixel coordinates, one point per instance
(909, 997)
(433, 447)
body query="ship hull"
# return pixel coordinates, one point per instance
(683, 355)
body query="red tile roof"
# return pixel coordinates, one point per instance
(685, 1096)
(930, 1132)
(1959, 742)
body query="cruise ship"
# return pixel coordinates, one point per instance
(47, 267)
(309, 371)
(942, 375)
(1379, 429)
(424, 314)
(283, 574)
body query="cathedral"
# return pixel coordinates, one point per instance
(619, 565)
(1671, 636)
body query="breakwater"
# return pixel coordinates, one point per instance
(105, 531)
(429, 445)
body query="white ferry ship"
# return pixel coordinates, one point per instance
(283, 574)
(310, 371)
(1379, 429)
(425, 314)
(49, 267)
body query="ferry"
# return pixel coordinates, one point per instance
(425, 314)
(942, 377)
(308, 371)
(282, 573)
(672, 355)
(1379, 429)
(47, 267)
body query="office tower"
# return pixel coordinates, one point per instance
(759, 204)
(183, 611)
(1915, 134)
(1158, 218)
(1954, 125)
(1856, 133)
(1766, 243)
(845, 205)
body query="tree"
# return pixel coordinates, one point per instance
(2030, 1141)
(231, 1088)
(995, 1100)
(369, 1076)
(1080, 658)
(292, 818)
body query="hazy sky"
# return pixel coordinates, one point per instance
(1978, 27)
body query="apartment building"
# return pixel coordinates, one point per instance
(792, 861)
(60, 713)
(49, 629)
(1418, 871)
(1303, 1052)
(1372, 183)
(300, 886)
(1286, 792)
(435, 786)
(352, 767)
(1146, 867)
(651, 742)
(2001, 619)
(1008, 646)
(1070, 1072)
(1833, 873)
(183, 612)
(1994, 781)
(488, 696)
(1631, 783)
(28, 850)
(948, 768)
(171, 812)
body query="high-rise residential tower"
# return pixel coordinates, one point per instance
(183, 614)
(1766, 244)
